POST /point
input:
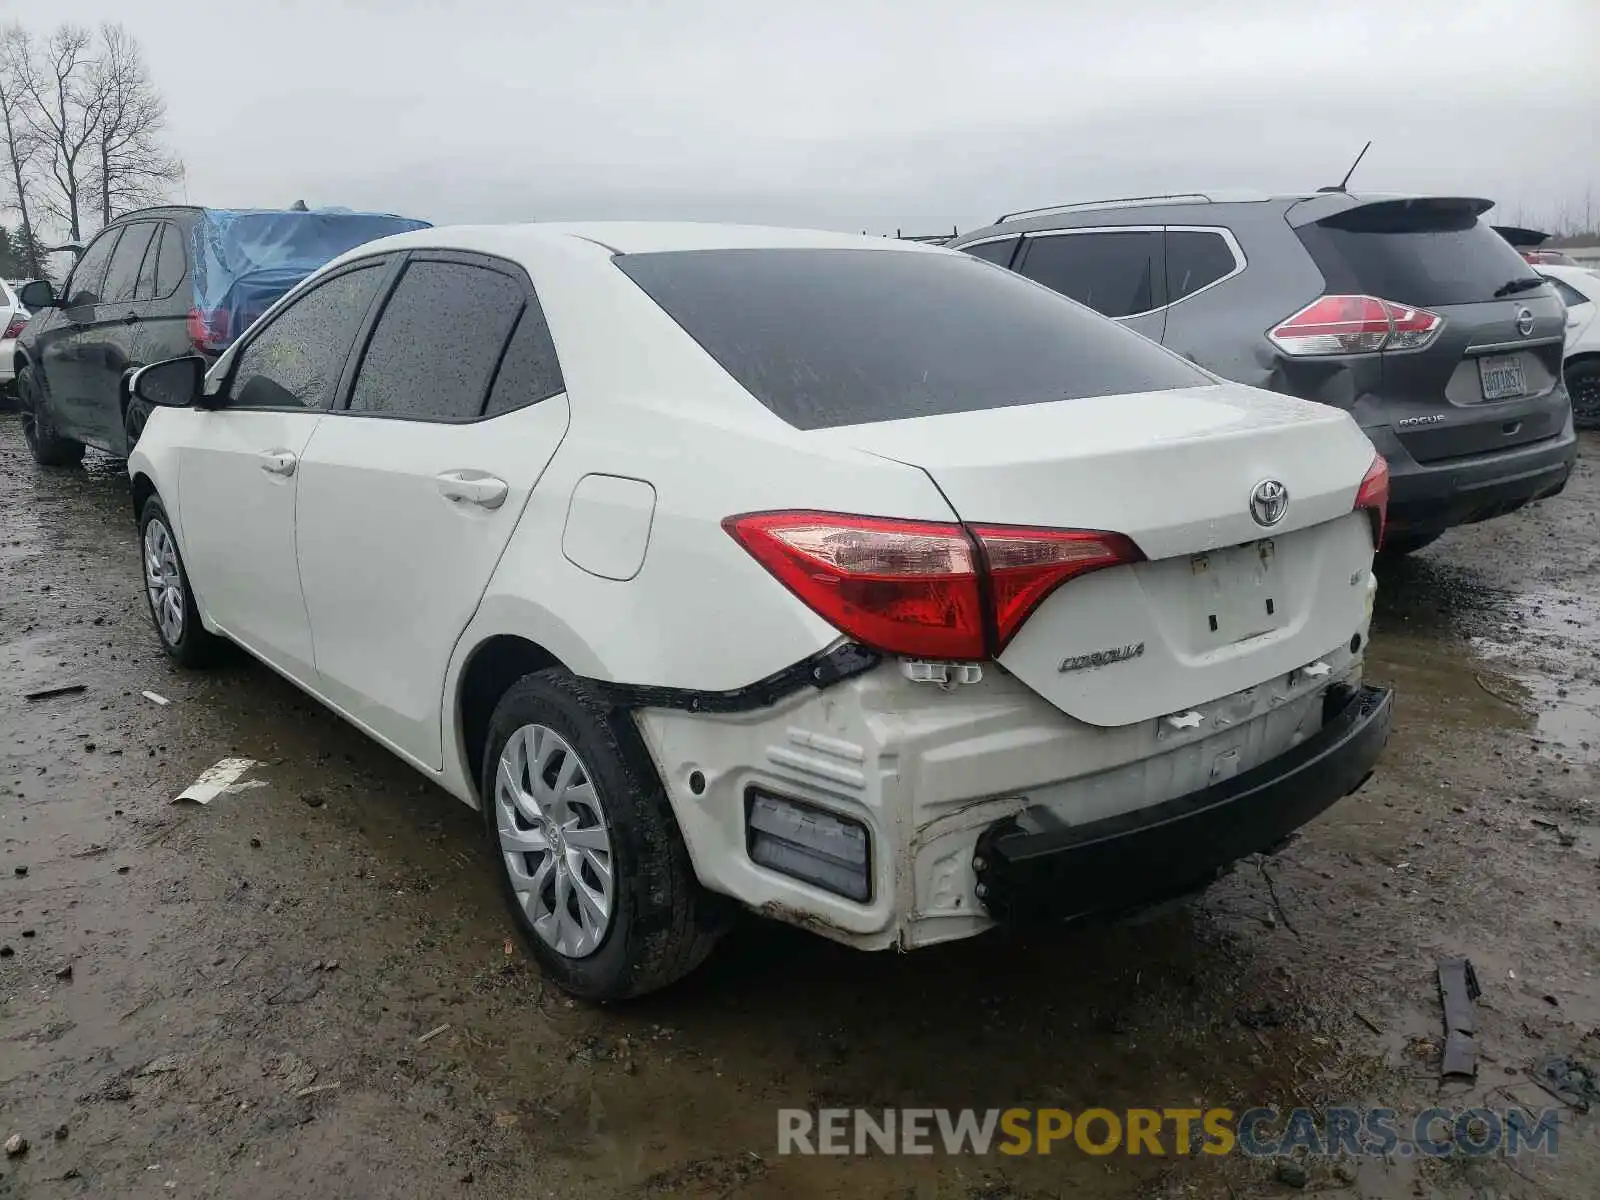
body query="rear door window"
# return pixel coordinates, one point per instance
(171, 264)
(122, 279)
(845, 337)
(1115, 273)
(1418, 253)
(436, 346)
(1196, 258)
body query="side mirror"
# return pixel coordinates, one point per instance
(175, 383)
(36, 294)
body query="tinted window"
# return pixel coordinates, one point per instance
(123, 276)
(529, 372)
(1113, 273)
(296, 358)
(1570, 296)
(1195, 260)
(998, 253)
(146, 289)
(843, 337)
(1416, 254)
(90, 273)
(437, 344)
(171, 264)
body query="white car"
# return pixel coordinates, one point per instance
(1579, 289)
(12, 318)
(861, 583)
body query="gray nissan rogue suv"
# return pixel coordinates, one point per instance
(1407, 311)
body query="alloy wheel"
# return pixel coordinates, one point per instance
(556, 841)
(163, 581)
(1584, 389)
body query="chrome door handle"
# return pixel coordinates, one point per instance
(278, 462)
(473, 487)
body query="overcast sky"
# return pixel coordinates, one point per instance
(857, 114)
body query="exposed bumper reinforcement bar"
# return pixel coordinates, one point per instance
(1035, 867)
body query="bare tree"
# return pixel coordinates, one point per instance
(16, 59)
(130, 165)
(64, 114)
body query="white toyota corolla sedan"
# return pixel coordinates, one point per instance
(862, 584)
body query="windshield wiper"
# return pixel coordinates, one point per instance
(1518, 285)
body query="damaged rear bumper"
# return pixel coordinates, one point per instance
(1033, 866)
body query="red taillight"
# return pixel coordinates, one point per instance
(208, 329)
(14, 327)
(1373, 496)
(1355, 325)
(1026, 565)
(918, 588)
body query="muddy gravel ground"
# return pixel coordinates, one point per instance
(306, 987)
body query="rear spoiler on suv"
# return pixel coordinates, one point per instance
(1521, 238)
(1386, 212)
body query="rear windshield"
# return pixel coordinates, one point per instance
(1413, 254)
(847, 337)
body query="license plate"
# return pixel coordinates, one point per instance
(1501, 375)
(1233, 594)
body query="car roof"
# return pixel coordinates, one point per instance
(631, 237)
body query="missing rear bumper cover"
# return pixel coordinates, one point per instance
(818, 671)
(1037, 868)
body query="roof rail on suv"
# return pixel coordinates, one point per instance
(1119, 202)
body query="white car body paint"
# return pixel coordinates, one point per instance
(362, 580)
(1583, 330)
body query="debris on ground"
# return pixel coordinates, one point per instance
(166, 1064)
(1291, 1173)
(317, 1089)
(16, 1146)
(1458, 988)
(214, 780)
(50, 693)
(64, 972)
(162, 700)
(432, 1033)
(1568, 1079)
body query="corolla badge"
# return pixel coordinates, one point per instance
(1102, 658)
(1269, 500)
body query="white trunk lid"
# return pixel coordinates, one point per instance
(1223, 603)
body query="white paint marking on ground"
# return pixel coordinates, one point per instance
(162, 700)
(214, 780)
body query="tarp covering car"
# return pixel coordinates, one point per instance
(244, 259)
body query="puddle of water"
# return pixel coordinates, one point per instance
(1550, 644)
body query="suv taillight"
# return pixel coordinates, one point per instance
(208, 329)
(1373, 497)
(1355, 325)
(14, 326)
(920, 588)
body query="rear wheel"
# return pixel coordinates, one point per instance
(591, 861)
(49, 448)
(1583, 385)
(1398, 545)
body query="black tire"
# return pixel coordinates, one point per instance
(1583, 386)
(1398, 545)
(49, 448)
(662, 923)
(192, 646)
(134, 417)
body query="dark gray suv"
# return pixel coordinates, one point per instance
(1407, 311)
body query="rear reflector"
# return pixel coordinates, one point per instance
(1355, 325)
(919, 588)
(1373, 496)
(806, 843)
